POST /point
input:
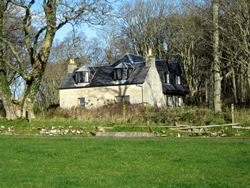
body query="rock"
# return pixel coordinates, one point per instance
(7, 133)
(66, 131)
(178, 135)
(2, 127)
(100, 129)
(237, 134)
(53, 131)
(214, 134)
(42, 131)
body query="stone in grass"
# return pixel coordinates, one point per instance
(53, 131)
(223, 135)
(237, 134)
(43, 131)
(2, 127)
(66, 131)
(100, 129)
(214, 134)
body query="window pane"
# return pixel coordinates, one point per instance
(82, 101)
(167, 78)
(180, 101)
(126, 98)
(86, 77)
(120, 98)
(119, 74)
(178, 80)
(170, 101)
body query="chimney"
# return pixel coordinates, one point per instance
(150, 59)
(71, 66)
(153, 85)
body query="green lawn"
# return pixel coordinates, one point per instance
(108, 162)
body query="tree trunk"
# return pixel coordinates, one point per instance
(5, 94)
(248, 83)
(28, 112)
(211, 89)
(32, 88)
(206, 92)
(234, 87)
(216, 63)
(242, 86)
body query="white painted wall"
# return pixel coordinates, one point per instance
(99, 96)
(153, 86)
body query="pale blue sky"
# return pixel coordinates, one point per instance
(90, 31)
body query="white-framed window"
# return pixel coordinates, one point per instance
(170, 101)
(82, 101)
(82, 77)
(119, 99)
(180, 101)
(178, 80)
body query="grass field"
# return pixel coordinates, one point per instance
(108, 162)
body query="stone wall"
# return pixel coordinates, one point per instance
(99, 96)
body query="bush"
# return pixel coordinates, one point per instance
(147, 114)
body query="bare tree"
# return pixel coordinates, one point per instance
(47, 19)
(216, 62)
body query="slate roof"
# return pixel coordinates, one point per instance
(172, 69)
(83, 68)
(129, 58)
(103, 75)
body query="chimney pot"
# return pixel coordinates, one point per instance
(150, 54)
(72, 61)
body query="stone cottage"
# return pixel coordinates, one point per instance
(133, 78)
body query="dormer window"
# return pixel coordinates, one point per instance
(122, 73)
(178, 80)
(167, 78)
(82, 77)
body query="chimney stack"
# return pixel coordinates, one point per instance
(71, 66)
(150, 59)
